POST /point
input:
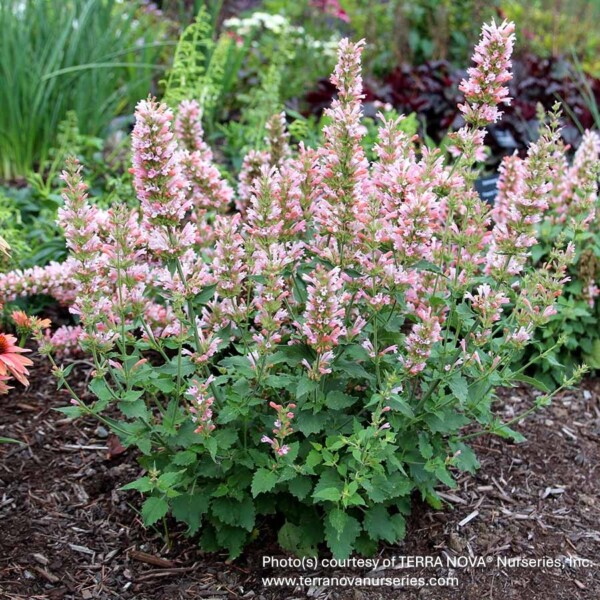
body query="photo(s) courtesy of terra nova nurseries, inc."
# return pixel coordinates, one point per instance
(299, 300)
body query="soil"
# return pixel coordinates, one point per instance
(68, 532)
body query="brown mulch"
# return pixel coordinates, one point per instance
(68, 532)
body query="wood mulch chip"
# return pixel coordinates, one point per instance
(68, 532)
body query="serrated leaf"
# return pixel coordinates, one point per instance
(341, 531)
(189, 508)
(264, 480)
(504, 431)
(154, 509)
(186, 457)
(73, 412)
(459, 387)
(206, 294)
(377, 524)
(295, 539)
(464, 457)
(300, 487)
(532, 381)
(306, 386)
(401, 405)
(166, 480)
(398, 523)
(337, 400)
(328, 479)
(353, 369)
(234, 512)
(135, 409)
(99, 388)
(425, 447)
(309, 423)
(444, 476)
(333, 494)
(232, 538)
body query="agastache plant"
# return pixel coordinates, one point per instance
(571, 222)
(374, 307)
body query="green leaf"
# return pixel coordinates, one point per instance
(206, 294)
(313, 459)
(333, 494)
(164, 384)
(167, 480)
(296, 539)
(309, 423)
(99, 388)
(425, 265)
(300, 486)
(380, 526)
(464, 458)
(186, 457)
(240, 365)
(131, 396)
(290, 355)
(536, 383)
(341, 531)
(264, 480)
(425, 447)
(446, 421)
(154, 509)
(234, 512)
(504, 431)
(459, 386)
(381, 488)
(444, 476)
(353, 369)
(305, 387)
(232, 538)
(337, 400)
(143, 484)
(189, 508)
(73, 412)
(328, 479)
(279, 381)
(398, 524)
(401, 405)
(135, 409)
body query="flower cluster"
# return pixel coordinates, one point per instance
(281, 428)
(281, 26)
(486, 87)
(65, 341)
(202, 401)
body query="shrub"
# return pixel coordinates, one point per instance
(574, 216)
(316, 356)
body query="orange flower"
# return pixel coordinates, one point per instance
(26, 323)
(11, 361)
(21, 319)
(40, 323)
(3, 387)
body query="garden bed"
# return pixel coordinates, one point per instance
(68, 532)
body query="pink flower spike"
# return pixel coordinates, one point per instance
(486, 87)
(157, 175)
